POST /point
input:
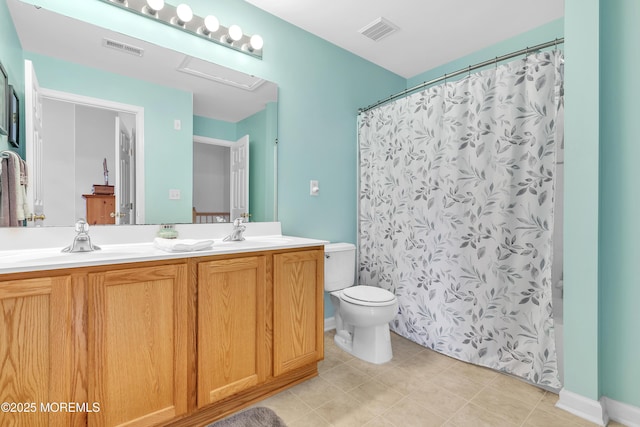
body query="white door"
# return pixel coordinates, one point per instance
(33, 143)
(239, 167)
(125, 174)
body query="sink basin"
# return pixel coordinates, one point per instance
(55, 256)
(272, 239)
(253, 242)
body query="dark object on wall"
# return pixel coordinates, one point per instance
(13, 118)
(4, 100)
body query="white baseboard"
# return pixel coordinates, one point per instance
(329, 323)
(599, 411)
(583, 407)
(621, 412)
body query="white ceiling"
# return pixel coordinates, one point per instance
(44, 32)
(432, 32)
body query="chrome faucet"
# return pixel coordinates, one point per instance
(82, 241)
(236, 234)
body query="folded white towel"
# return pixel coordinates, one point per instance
(182, 245)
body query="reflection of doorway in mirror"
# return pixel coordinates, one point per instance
(213, 185)
(80, 134)
(125, 175)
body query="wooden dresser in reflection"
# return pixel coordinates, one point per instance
(99, 208)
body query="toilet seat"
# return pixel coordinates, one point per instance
(371, 296)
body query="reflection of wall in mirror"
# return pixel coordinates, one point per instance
(262, 130)
(11, 59)
(168, 152)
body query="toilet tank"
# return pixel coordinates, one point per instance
(339, 266)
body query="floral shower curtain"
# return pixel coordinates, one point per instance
(456, 214)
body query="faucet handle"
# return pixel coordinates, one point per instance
(237, 222)
(81, 226)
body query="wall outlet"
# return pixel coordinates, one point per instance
(174, 194)
(177, 124)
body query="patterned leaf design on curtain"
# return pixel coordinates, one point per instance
(457, 190)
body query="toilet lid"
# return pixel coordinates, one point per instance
(368, 295)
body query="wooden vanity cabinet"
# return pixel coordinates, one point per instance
(35, 349)
(231, 326)
(298, 313)
(137, 345)
(180, 342)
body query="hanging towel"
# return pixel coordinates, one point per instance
(182, 245)
(13, 199)
(4, 194)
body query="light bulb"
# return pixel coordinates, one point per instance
(235, 32)
(211, 24)
(184, 12)
(155, 5)
(256, 42)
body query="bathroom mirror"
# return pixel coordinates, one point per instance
(165, 102)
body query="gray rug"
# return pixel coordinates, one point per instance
(254, 417)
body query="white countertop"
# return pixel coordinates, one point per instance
(15, 261)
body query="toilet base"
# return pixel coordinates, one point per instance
(371, 344)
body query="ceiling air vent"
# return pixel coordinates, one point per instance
(378, 29)
(123, 47)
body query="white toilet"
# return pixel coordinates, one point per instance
(362, 313)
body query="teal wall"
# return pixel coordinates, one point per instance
(168, 153)
(581, 317)
(602, 203)
(619, 201)
(13, 64)
(212, 128)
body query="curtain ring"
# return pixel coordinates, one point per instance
(526, 54)
(496, 62)
(555, 44)
(469, 71)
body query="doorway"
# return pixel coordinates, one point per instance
(220, 179)
(89, 133)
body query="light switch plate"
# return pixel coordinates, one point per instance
(314, 189)
(174, 194)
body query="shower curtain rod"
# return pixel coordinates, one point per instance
(468, 69)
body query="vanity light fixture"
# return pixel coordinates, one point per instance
(152, 7)
(184, 14)
(183, 18)
(211, 25)
(255, 43)
(233, 35)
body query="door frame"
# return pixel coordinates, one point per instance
(137, 111)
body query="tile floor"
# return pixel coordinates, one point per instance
(418, 387)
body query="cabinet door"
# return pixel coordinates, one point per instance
(137, 321)
(35, 350)
(231, 327)
(297, 309)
